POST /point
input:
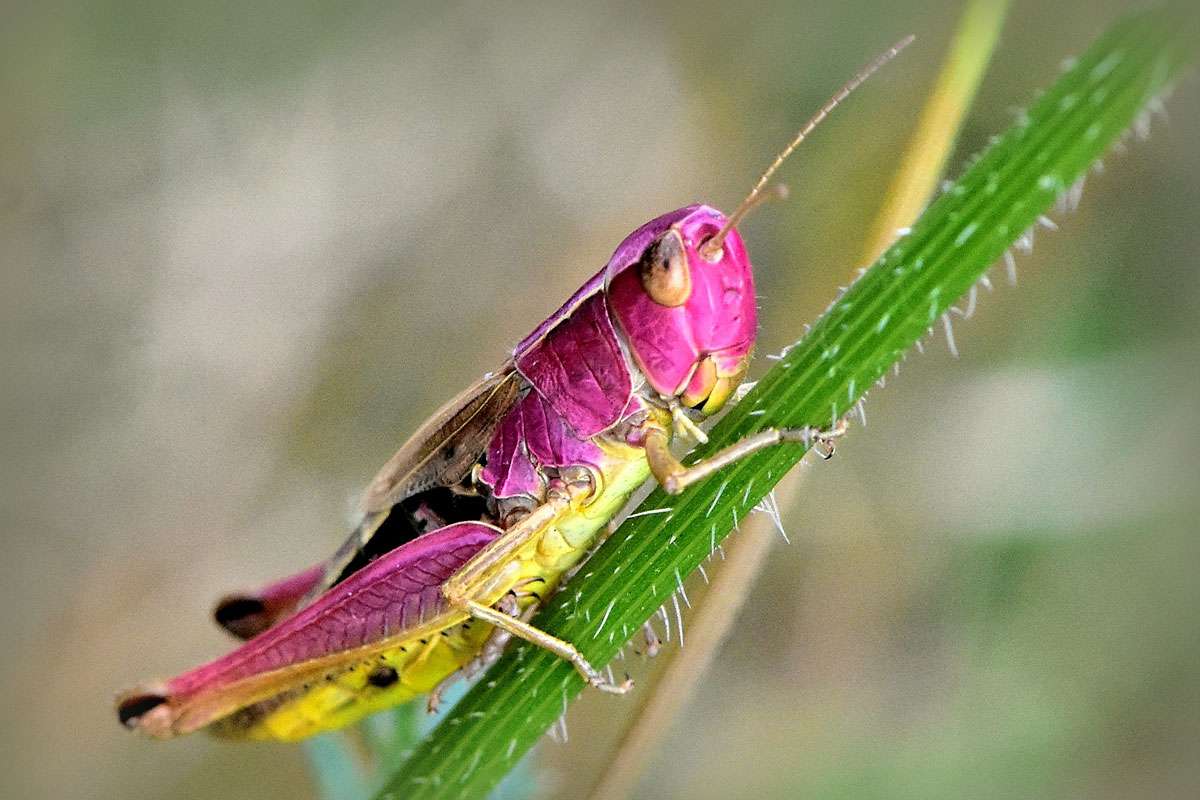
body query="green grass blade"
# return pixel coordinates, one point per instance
(855, 342)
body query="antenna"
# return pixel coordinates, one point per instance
(711, 249)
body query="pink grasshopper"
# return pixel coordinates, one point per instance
(494, 499)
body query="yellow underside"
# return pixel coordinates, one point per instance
(422, 663)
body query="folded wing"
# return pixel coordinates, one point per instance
(396, 597)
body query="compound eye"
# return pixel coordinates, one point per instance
(664, 271)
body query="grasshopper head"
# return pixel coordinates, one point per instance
(681, 287)
(688, 312)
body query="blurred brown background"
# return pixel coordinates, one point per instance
(246, 251)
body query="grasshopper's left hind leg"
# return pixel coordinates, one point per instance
(674, 477)
(493, 648)
(561, 648)
(468, 589)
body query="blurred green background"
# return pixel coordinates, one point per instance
(246, 251)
